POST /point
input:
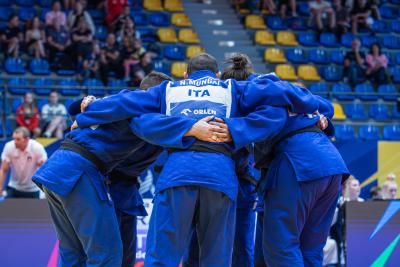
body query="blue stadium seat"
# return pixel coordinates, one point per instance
(140, 18)
(101, 32)
(297, 24)
(379, 111)
(15, 66)
(160, 19)
(347, 38)
(344, 132)
(395, 2)
(395, 112)
(328, 39)
(369, 40)
(355, 111)
(332, 73)
(68, 87)
(297, 55)
(18, 85)
(303, 8)
(45, 3)
(395, 72)
(397, 58)
(26, 13)
(8, 127)
(68, 102)
(391, 42)
(118, 84)
(308, 39)
(5, 13)
(26, 3)
(96, 14)
(380, 26)
(396, 26)
(391, 132)
(174, 52)
(320, 89)
(319, 56)
(388, 91)
(41, 103)
(16, 102)
(41, 86)
(366, 92)
(147, 35)
(337, 56)
(39, 67)
(368, 132)
(161, 66)
(95, 87)
(388, 12)
(43, 13)
(342, 91)
(275, 23)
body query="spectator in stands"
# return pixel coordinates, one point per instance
(361, 15)
(351, 190)
(68, 4)
(320, 9)
(56, 12)
(110, 59)
(28, 115)
(283, 6)
(82, 40)
(127, 30)
(59, 43)
(270, 5)
(35, 38)
(376, 193)
(342, 18)
(375, 9)
(377, 64)
(23, 156)
(54, 114)
(389, 190)
(120, 21)
(144, 67)
(11, 37)
(354, 64)
(391, 177)
(114, 8)
(131, 51)
(90, 64)
(78, 12)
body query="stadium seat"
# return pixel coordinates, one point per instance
(388, 92)
(342, 91)
(337, 56)
(297, 56)
(320, 89)
(308, 39)
(178, 69)
(5, 13)
(355, 111)
(8, 128)
(332, 73)
(95, 87)
(18, 86)
(39, 67)
(380, 26)
(319, 56)
(286, 38)
(192, 50)
(147, 35)
(188, 36)
(116, 86)
(162, 67)
(16, 102)
(25, 3)
(274, 55)
(97, 14)
(167, 35)
(15, 66)
(140, 18)
(379, 111)
(328, 39)
(388, 12)
(308, 73)
(174, 52)
(68, 87)
(297, 24)
(181, 20)
(396, 26)
(276, 23)
(368, 40)
(26, 13)
(391, 42)
(152, 5)
(173, 5)
(398, 58)
(395, 72)
(41, 103)
(42, 86)
(254, 22)
(338, 112)
(101, 32)
(45, 3)
(286, 72)
(347, 38)
(395, 112)
(42, 13)
(366, 92)
(368, 132)
(344, 132)
(264, 38)
(303, 8)
(160, 19)
(391, 132)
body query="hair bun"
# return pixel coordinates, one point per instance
(239, 61)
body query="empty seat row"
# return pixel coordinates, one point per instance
(156, 5)
(168, 35)
(300, 56)
(346, 132)
(161, 19)
(377, 111)
(178, 52)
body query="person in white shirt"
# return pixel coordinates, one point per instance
(351, 190)
(23, 156)
(54, 114)
(321, 9)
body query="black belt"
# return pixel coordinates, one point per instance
(68, 144)
(118, 176)
(205, 147)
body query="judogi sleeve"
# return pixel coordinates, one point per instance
(123, 105)
(325, 107)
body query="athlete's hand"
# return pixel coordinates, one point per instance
(86, 101)
(204, 131)
(74, 126)
(323, 122)
(222, 130)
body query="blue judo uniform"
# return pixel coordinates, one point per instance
(301, 191)
(196, 183)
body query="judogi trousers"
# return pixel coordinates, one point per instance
(127, 227)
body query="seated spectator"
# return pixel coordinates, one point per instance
(54, 115)
(90, 64)
(389, 190)
(35, 38)
(68, 4)
(28, 115)
(144, 67)
(58, 44)
(131, 51)
(342, 18)
(391, 177)
(127, 30)
(82, 40)
(330, 251)
(119, 21)
(270, 5)
(361, 15)
(283, 6)
(78, 12)
(56, 12)
(376, 193)
(351, 190)
(110, 59)
(375, 9)
(354, 64)
(11, 37)
(377, 65)
(23, 157)
(114, 9)
(319, 9)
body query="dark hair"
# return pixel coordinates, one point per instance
(12, 16)
(202, 61)
(240, 68)
(154, 78)
(379, 47)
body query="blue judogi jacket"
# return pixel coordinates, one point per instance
(201, 95)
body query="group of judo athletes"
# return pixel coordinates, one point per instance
(197, 189)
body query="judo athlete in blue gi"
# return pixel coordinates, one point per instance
(73, 180)
(198, 185)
